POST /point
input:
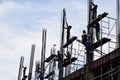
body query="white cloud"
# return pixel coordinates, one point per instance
(7, 7)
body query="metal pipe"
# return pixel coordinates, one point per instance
(31, 61)
(20, 67)
(61, 45)
(118, 22)
(43, 52)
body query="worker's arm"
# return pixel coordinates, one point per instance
(92, 3)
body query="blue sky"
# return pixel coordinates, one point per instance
(22, 21)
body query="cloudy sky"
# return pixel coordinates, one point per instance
(22, 21)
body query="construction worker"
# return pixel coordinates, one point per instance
(86, 41)
(68, 56)
(89, 44)
(94, 10)
(40, 77)
(58, 58)
(97, 28)
(84, 37)
(68, 32)
(40, 74)
(24, 73)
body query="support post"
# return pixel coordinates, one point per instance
(61, 45)
(89, 54)
(20, 67)
(31, 61)
(90, 31)
(43, 53)
(118, 23)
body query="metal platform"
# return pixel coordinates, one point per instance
(50, 57)
(97, 19)
(80, 41)
(69, 62)
(50, 74)
(100, 42)
(70, 41)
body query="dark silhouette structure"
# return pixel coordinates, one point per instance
(94, 10)
(68, 32)
(97, 28)
(24, 73)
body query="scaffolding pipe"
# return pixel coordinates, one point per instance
(20, 67)
(90, 31)
(118, 22)
(89, 54)
(44, 32)
(31, 61)
(61, 45)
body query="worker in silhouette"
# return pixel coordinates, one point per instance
(84, 37)
(97, 28)
(68, 32)
(68, 57)
(86, 41)
(58, 58)
(40, 76)
(24, 73)
(89, 44)
(94, 10)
